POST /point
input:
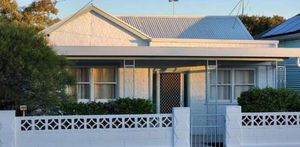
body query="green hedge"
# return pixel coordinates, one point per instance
(269, 100)
(119, 106)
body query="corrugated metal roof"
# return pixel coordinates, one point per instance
(210, 27)
(290, 26)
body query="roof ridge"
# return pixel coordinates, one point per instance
(177, 16)
(162, 16)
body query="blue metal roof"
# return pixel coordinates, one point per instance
(210, 27)
(290, 26)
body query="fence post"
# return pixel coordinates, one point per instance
(7, 129)
(233, 126)
(181, 127)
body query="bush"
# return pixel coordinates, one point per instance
(83, 109)
(119, 106)
(269, 100)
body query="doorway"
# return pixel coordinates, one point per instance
(171, 91)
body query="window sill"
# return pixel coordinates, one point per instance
(221, 103)
(97, 100)
(104, 100)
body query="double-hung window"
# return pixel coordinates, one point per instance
(94, 84)
(225, 85)
(243, 81)
(104, 82)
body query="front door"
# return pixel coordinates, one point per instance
(170, 91)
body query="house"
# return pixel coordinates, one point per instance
(288, 34)
(175, 61)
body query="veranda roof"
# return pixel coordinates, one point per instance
(189, 52)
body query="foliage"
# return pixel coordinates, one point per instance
(259, 24)
(92, 108)
(269, 100)
(131, 106)
(30, 71)
(39, 13)
(119, 106)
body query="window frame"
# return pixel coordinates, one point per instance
(92, 84)
(80, 83)
(232, 84)
(115, 84)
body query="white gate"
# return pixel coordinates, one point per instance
(207, 130)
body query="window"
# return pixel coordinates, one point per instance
(281, 77)
(244, 80)
(94, 84)
(104, 83)
(230, 83)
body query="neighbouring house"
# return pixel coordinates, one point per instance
(175, 61)
(288, 34)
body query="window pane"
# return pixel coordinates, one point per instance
(240, 89)
(104, 75)
(244, 77)
(213, 93)
(212, 77)
(81, 74)
(104, 91)
(83, 91)
(224, 93)
(223, 77)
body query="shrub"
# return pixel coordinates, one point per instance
(119, 106)
(269, 100)
(131, 106)
(83, 109)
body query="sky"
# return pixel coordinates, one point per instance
(286, 8)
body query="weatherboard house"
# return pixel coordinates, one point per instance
(175, 61)
(288, 34)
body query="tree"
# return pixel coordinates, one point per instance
(39, 13)
(258, 24)
(31, 73)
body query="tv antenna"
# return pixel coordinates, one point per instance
(173, 5)
(240, 6)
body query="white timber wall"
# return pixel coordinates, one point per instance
(143, 130)
(91, 29)
(134, 82)
(279, 129)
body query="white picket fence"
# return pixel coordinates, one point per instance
(143, 130)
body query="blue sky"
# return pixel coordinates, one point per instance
(286, 8)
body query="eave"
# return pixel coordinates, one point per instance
(177, 52)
